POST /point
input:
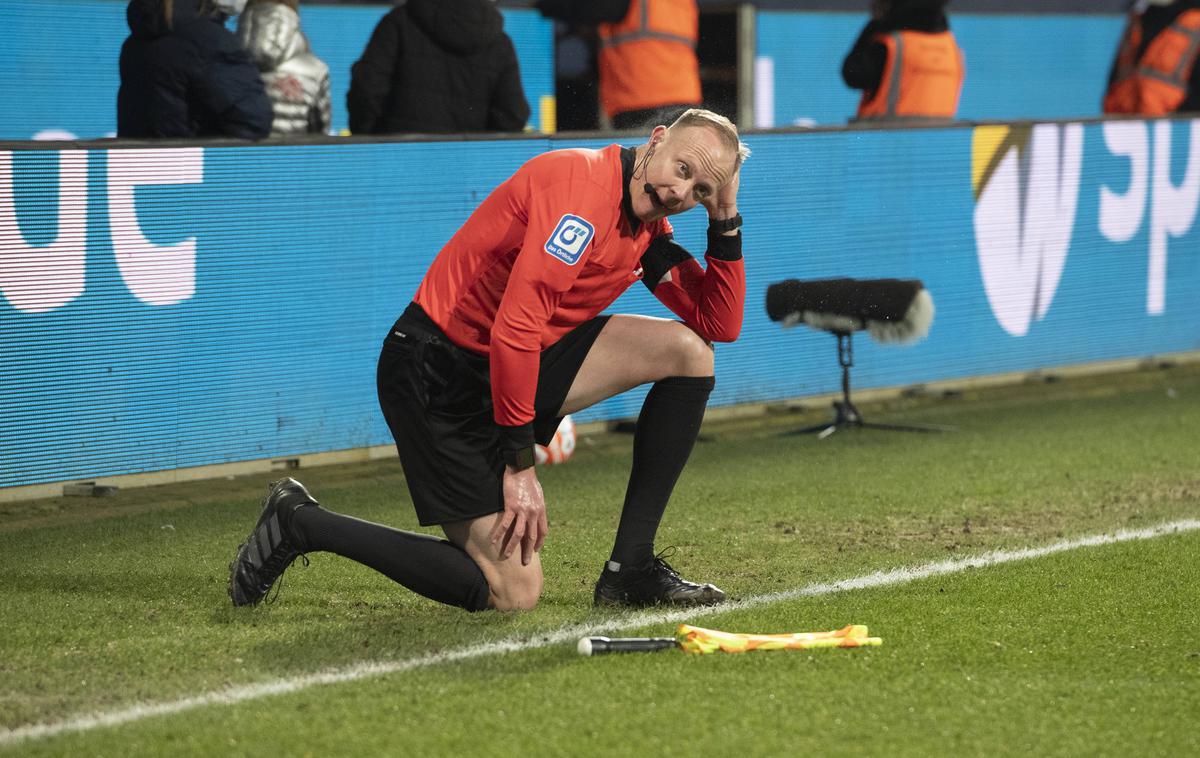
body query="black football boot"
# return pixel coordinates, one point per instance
(271, 547)
(655, 583)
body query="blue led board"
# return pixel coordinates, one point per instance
(173, 307)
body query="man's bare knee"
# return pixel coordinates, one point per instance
(511, 585)
(516, 593)
(692, 354)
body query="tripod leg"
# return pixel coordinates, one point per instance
(821, 430)
(908, 427)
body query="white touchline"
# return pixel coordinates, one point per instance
(232, 695)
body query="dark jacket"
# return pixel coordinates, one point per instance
(187, 78)
(863, 67)
(438, 66)
(1155, 19)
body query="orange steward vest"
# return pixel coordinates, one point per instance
(1156, 83)
(922, 78)
(648, 59)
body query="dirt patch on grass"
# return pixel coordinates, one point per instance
(997, 525)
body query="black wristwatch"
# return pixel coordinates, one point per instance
(519, 459)
(725, 225)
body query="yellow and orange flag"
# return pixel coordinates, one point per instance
(694, 639)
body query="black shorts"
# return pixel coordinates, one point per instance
(437, 400)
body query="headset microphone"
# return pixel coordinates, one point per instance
(648, 188)
(643, 168)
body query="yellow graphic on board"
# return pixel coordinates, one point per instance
(1025, 183)
(989, 146)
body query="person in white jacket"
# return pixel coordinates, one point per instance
(296, 80)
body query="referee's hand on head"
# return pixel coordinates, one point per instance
(524, 519)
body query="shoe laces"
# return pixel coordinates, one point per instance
(661, 559)
(272, 596)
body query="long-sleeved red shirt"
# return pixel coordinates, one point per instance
(552, 247)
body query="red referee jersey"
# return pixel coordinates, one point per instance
(549, 249)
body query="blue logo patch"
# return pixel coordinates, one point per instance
(570, 239)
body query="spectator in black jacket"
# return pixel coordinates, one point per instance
(183, 74)
(438, 66)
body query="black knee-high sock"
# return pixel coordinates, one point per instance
(435, 568)
(667, 429)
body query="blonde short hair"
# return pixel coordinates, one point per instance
(723, 127)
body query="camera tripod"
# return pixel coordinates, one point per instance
(846, 415)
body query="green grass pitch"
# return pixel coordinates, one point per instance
(112, 604)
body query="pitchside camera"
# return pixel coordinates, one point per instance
(890, 310)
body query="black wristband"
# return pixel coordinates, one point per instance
(725, 225)
(516, 437)
(519, 460)
(724, 247)
(516, 446)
